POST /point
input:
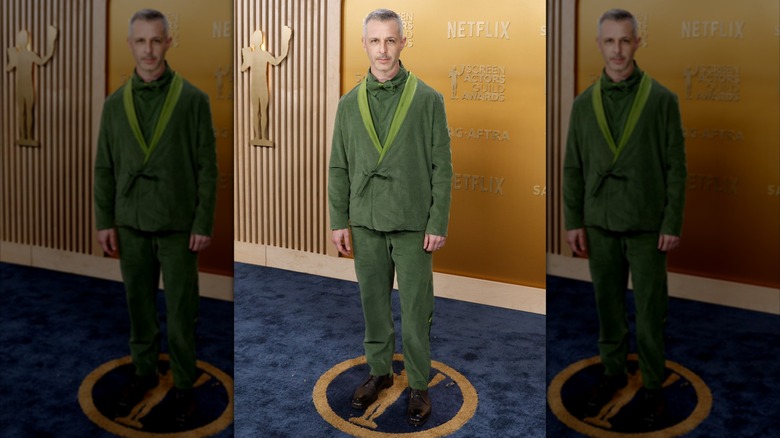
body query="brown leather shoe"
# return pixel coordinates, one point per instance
(419, 407)
(653, 407)
(184, 406)
(367, 393)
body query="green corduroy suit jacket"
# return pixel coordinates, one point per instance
(410, 190)
(644, 190)
(176, 189)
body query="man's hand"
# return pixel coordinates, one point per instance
(578, 242)
(340, 238)
(198, 242)
(433, 243)
(668, 242)
(108, 241)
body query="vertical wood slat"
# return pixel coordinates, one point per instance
(561, 28)
(45, 193)
(279, 191)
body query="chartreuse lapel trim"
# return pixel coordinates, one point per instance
(171, 98)
(633, 116)
(398, 118)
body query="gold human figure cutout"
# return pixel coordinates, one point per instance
(258, 59)
(220, 74)
(21, 57)
(453, 75)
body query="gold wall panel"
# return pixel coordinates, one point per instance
(46, 191)
(280, 191)
(722, 59)
(488, 61)
(202, 51)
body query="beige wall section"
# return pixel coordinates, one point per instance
(474, 290)
(707, 290)
(46, 212)
(211, 286)
(281, 192)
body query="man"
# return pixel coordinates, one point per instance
(624, 193)
(155, 190)
(389, 182)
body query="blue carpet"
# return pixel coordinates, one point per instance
(56, 328)
(735, 352)
(291, 328)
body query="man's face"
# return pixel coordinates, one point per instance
(383, 44)
(617, 45)
(148, 43)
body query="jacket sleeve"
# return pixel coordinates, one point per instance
(676, 171)
(573, 178)
(105, 180)
(206, 161)
(441, 173)
(338, 178)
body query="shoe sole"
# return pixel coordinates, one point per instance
(416, 423)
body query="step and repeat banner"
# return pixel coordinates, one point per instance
(722, 59)
(488, 61)
(202, 51)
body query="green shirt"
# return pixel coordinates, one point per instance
(383, 100)
(644, 190)
(175, 190)
(410, 190)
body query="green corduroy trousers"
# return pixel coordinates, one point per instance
(377, 256)
(143, 257)
(612, 256)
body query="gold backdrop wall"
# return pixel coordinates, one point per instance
(202, 51)
(488, 61)
(722, 59)
(46, 191)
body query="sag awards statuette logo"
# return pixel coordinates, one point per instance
(481, 82)
(712, 82)
(689, 401)
(152, 416)
(454, 401)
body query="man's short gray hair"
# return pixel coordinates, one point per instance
(619, 15)
(384, 15)
(148, 15)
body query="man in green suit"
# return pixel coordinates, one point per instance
(389, 182)
(155, 190)
(624, 194)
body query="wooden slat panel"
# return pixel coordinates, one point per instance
(561, 25)
(280, 191)
(46, 192)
